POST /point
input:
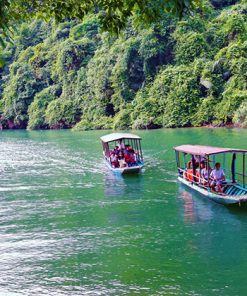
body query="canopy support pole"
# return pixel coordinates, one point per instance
(140, 150)
(136, 148)
(200, 170)
(244, 170)
(194, 168)
(233, 167)
(185, 166)
(208, 160)
(178, 161)
(224, 161)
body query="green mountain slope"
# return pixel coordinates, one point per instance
(190, 72)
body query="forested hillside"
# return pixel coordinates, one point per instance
(176, 73)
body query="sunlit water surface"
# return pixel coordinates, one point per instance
(68, 226)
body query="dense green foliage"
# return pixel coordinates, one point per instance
(112, 14)
(187, 72)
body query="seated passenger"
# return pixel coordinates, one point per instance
(217, 176)
(205, 173)
(126, 149)
(127, 157)
(188, 174)
(132, 157)
(185, 173)
(121, 155)
(114, 160)
(116, 150)
(121, 160)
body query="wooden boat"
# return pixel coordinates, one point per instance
(233, 191)
(115, 139)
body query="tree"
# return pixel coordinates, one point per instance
(113, 14)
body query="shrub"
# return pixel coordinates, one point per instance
(231, 101)
(19, 93)
(36, 110)
(190, 46)
(177, 92)
(205, 113)
(88, 28)
(147, 112)
(235, 26)
(73, 55)
(84, 125)
(122, 120)
(240, 115)
(60, 113)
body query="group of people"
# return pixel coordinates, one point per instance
(205, 175)
(123, 156)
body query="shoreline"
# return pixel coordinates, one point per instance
(210, 126)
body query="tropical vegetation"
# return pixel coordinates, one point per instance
(174, 72)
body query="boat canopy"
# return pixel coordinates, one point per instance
(205, 150)
(118, 136)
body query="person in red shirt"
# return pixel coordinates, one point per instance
(130, 157)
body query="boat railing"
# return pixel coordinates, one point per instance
(228, 175)
(203, 183)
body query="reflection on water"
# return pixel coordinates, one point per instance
(123, 185)
(196, 206)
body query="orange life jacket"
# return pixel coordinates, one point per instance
(189, 175)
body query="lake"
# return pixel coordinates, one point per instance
(68, 226)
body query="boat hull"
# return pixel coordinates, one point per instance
(126, 170)
(222, 199)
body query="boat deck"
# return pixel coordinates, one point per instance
(234, 190)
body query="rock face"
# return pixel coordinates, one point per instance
(226, 75)
(207, 84)
(217, 65)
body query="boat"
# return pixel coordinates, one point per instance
(234, 190)
(115, 139)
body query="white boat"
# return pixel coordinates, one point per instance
(234, 191)
(111, 140)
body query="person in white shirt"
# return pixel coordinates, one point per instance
(217, 177)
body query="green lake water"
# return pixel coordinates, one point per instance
(68, 226)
